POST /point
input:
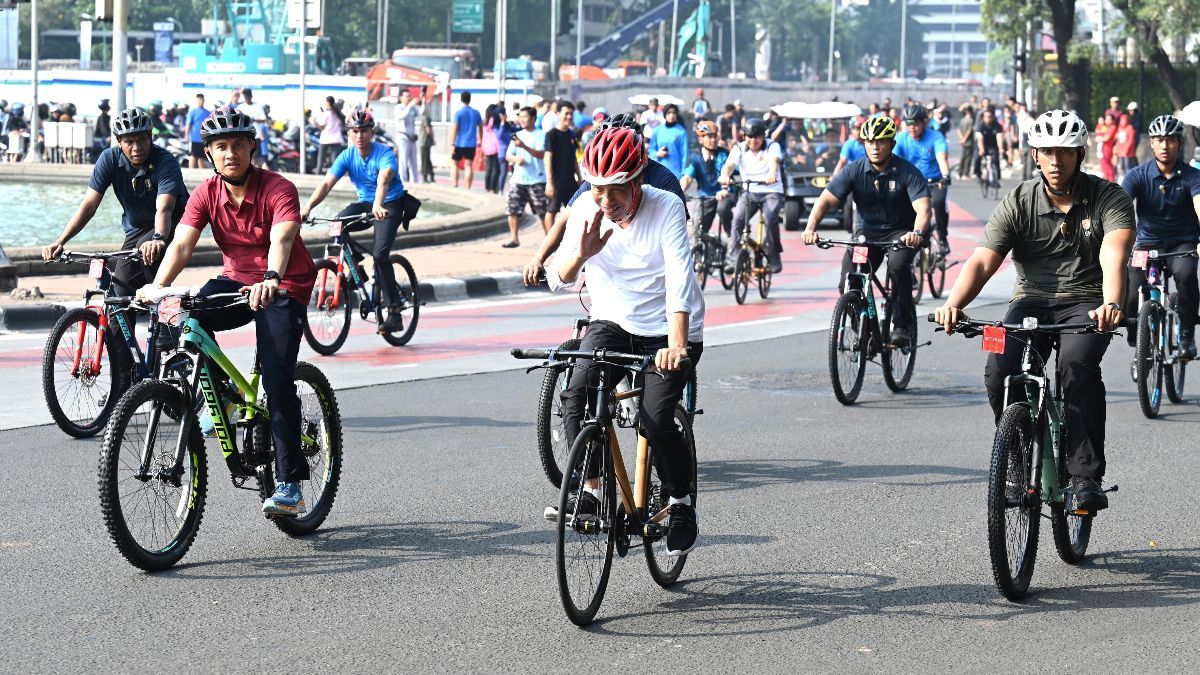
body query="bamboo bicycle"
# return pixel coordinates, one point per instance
(752, 263)
(585, 542)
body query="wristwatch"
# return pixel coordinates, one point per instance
(1114, 305)
(157, 236)
(271, 275)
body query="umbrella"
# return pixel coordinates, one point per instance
(792, 109)
(817, 111)
(663, 99)
(1190, 115)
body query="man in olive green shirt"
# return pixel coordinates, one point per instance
(1069, 234)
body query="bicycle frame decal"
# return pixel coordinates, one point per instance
(216, 411)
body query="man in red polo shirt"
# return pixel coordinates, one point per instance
(255, 218)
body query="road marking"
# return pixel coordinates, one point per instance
(744, 324)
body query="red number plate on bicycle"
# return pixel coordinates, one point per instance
(96, 269)
(860, 255)
(169, 310)
(1140, 258)
(993, 339)
(335, 229)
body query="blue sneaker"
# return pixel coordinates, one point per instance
(287, 501)
(207, 428)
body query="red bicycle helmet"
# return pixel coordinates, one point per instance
(360, 119)
(613, 157)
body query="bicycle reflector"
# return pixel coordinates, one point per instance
(860, 255)
(993, 339)
(1029, 323)
(169, 310)
(335, 229)
(1139, 259)
(96, 269)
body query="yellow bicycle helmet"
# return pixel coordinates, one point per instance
(878, 129)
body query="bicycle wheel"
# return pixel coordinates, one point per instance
(1175, 374)
(665, 569)
(898, 362)
(936, 274)
(741, 277)
(1146, 356)
(80, 395)
(321, 443)
(1013, 514)
(1071, 532)
(554, 447)
(847, 359)
(700, 263)
(328, 321)
(726, 277)
(154, 517)
(918, 272)
(584, 543)
(764, 277)
(408, 293)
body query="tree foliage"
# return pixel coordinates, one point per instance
(1147, 21)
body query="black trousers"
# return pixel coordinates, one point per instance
(941, 214)
(657, 408)
(966, 165)
(899, 266)
(427, 163)
(130, 275)
(1078, 373)
(381, 252)
(491, 179)
(278, 329)
(1183, 277)
(712, 208)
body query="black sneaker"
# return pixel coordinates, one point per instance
(682, 529)
(394, 321)
(900, 337)
(776, 263)
(1087, 494)
(944, 247)
(1187, 347)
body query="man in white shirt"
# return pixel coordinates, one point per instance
(756, 159)
(528, 182)
(650, 119)
(406, 148)
(645, 299)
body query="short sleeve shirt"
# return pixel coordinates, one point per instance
(468, 120)
(922, 152)
(244, 233)
(138, 189)
(533, 171)
(1049, 263)
(195, 118)
(562, 146)
(706, 171)
(758, 165)
(364, 172)
(1164, 207)
(883, 199)
(853, 150)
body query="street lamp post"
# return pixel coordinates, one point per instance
(120, 51)
(903, 38)
(554, 39)
(732, 36)
(832, 24)
(33, 156)
(303, 76)
(578, 38)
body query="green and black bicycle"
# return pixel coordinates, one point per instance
(153, 473)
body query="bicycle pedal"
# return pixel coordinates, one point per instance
(653, 530)
(699, 412)
(1113, 488)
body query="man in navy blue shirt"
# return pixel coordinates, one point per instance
(925, 149)
(1166, 193)
(375, 173)
(892, 200)
(149, 185)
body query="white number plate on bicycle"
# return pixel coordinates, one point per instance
(1140, 259)
(993, 339)
(335, 229)
(96, 269)
(860, 255)
(169, 310)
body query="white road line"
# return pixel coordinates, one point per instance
(758, 322)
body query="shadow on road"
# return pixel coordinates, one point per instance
(724, 476)
(401, 423)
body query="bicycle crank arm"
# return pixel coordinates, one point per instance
(1113, 488)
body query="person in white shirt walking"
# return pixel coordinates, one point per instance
(528, 183)
(406, 147)
(650, 118)
(756, 159)
(631, 240)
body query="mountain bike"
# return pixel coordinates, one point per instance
(929, 270)
(751, 263)
(554, 446)
(339, 275)
(153, 473)
(85, 365)
(1029, 464)
(708, 254)
(857, 334)
(1158, 357)
(584, 543)
(989, 177)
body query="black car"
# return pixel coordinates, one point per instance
(809, 168)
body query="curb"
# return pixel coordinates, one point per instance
(36, 317)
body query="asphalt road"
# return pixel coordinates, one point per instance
(833, 539)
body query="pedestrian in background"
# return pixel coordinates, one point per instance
(1125, 147)
(491, 175)
(426, 143)
(465, 133)
(1106, 138)
(966, 139)
(503, 131)
(195, 118)
(332, 139)
(406, 136)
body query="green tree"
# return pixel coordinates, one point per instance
(1004, 21)
(876, 31)
(1146, 21)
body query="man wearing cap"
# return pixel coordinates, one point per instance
(700, 107)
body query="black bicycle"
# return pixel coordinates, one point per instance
(1158, 357)
(857, 335)
(343, 284)
(708, 254)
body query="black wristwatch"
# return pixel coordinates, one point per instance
(271, 275)
(157, 236)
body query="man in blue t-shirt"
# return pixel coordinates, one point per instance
(1166, 193)
(852, 149)
(466, 131)
(149, 185)
(195, 118)
(375, 173)
(704, 168)
(925, 149)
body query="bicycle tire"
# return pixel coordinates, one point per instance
(726, 277)
(700, 263)
(895, 359)
(764, 278)
(553, 449)
(409, 292)
(1013, 446)
(937, 276)
(192, 489)
(331, 340)
(741, 277)
(1149, 366)
(665, 569)
(89, 422)
(328, 455)
(917, 269)
(847, 319)
(1175, 375)
(1071, 533)
(582, 610)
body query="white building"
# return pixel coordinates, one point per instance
(954, 47)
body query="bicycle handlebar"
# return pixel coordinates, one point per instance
(890, 245)
(1164, 256)
(343, 219)
(971, 327)
(76, 256)
(632, 361)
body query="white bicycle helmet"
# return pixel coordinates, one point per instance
(1058, 129)
(1166, 125)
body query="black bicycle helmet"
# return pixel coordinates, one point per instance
(915, 112)
(622, 121)
(225, 122)
(131, 121)
(755, 128)
(1166, 125)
